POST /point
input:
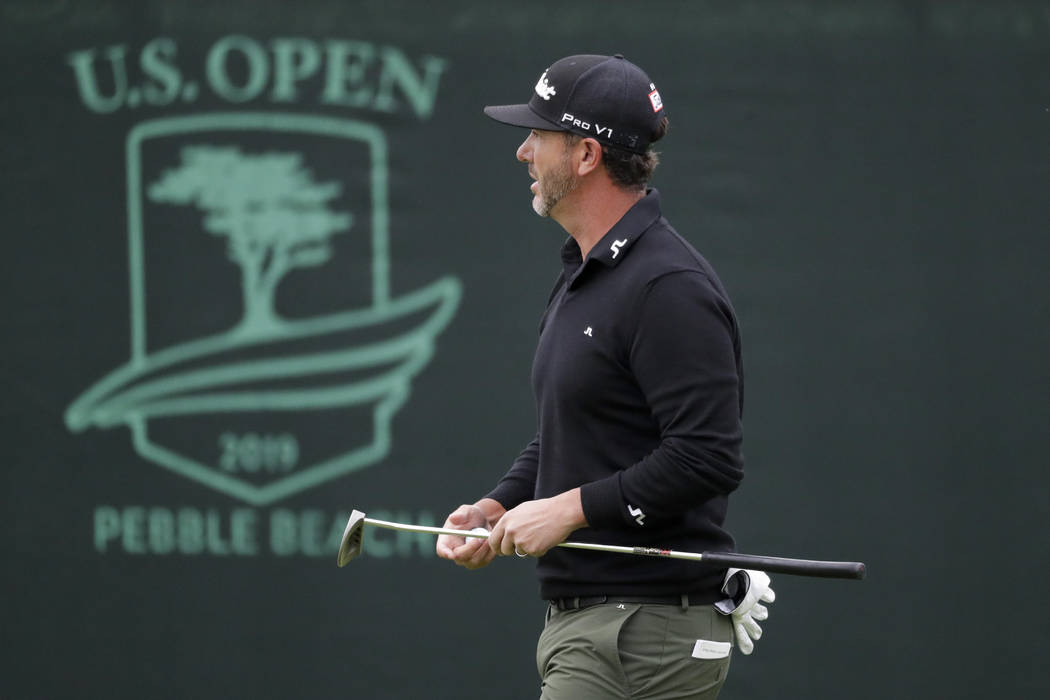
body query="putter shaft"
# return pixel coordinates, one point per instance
(781, 565)
(649, 551)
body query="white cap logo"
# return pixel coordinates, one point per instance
(543, 88)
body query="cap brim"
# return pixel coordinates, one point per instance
(520, 115)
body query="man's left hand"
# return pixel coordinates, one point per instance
(534, 527)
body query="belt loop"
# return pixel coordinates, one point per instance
(576, 603)
(685, 602)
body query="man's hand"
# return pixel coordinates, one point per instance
(747, 590)
(469, 552)
(534, 527)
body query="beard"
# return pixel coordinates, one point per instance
(553, 187)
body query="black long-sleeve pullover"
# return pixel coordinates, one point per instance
(639, 393)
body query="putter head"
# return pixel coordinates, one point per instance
(353, 541)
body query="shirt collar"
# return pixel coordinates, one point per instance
(614, 245)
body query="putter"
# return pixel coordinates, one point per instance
(353, 543)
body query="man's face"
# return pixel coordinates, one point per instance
(548, 156)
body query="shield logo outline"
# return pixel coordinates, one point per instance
(167, 383)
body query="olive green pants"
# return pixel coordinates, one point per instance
(629, 650)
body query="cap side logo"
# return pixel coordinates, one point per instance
(543, 88)
(654, 98)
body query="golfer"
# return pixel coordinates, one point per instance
(639, 390)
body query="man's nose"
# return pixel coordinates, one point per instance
(525, 150)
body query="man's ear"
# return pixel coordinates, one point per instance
(589, 155)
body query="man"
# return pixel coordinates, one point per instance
(639, 391)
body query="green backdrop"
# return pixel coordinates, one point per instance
(268, 262)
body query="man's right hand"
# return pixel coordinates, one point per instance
(468, 552)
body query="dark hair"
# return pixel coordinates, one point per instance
(627, 169)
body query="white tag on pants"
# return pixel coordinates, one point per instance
(706, 649)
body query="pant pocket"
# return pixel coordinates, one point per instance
(642, 645)
(694, 657)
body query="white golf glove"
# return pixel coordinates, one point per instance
(747, 590)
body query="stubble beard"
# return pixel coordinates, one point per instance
(554, 187)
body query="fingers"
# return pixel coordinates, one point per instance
(750, 627)
(465, 518)
(743, 641)
(505, 543)
(498, 539)
(447, 544)
(475, 554)
(532, 528)
(471, 553)
(747, 632)
(464, 551)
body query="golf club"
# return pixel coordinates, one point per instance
(353, 543)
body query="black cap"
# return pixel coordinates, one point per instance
(607, 98)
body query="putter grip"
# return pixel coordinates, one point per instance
(780, 565)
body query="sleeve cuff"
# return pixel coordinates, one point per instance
(505, 495)
(602, 503)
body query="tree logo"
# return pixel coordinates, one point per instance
(275, 218)
(267, 353)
